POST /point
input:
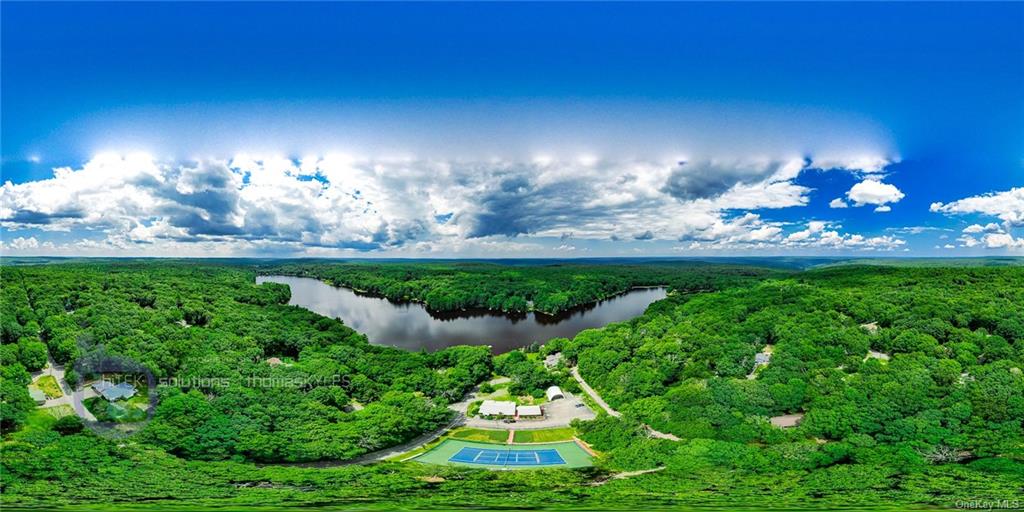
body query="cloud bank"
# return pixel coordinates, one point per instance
(339, 204)
(1007, 206)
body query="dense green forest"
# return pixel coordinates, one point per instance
(210, 331)
(944, 386)
(954, 339)
(548, 289)
(933, 417)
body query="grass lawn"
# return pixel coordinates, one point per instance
(418, 451)
(574, 456)
(479, 434)
(529, 400)
(59, 411)
(544, 436)
(414, 453)
(141, 400)
(474, 408)
(48, 384)
(499, 394)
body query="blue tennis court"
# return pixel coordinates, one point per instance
(469, 455)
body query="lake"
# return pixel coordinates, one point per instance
(411, 326)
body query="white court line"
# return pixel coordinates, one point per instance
(478, 454)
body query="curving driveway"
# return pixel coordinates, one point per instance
(597, 398)
(593, 394)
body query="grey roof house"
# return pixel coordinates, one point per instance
(112, 392)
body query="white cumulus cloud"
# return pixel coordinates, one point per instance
(21, 243)
(816, 235)
(26, 245)
(1007, 206)
(991, 227)
(874, 192)
(1001, 241)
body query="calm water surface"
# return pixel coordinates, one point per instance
(412, 327)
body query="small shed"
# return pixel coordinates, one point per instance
(274, 361)
(529, 411)
(787, 420)
(37, 395)
(497, 408)
(554, 393)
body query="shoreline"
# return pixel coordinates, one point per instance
(472, 312)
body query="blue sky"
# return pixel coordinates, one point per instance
(512, 129)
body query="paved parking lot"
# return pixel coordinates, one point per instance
(557, 413)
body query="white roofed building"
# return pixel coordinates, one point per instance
(529, 411)
(496, 408)
(554, 392)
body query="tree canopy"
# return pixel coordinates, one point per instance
(907, 383)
